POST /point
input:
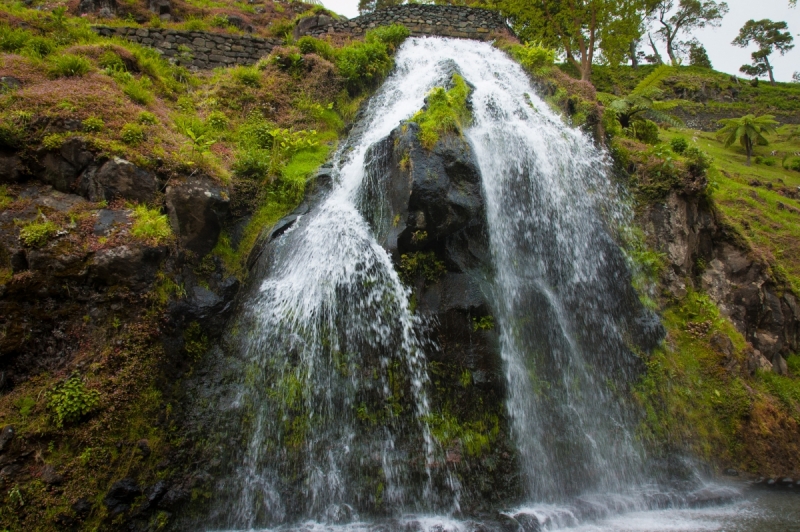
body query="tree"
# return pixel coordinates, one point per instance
(642, 101)
(368, 6)
(769, 37)
(698, 55)
(584, 30)
(748, 130)
(690, 15)
(796, 77)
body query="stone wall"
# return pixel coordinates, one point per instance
(445, 21)
(198, 49)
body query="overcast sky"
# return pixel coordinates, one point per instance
(724, 56)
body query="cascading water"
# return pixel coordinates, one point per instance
(336, 387)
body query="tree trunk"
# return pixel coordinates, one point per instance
(671, 52)
(769, 71)
(657, 55)
(748, 147)
(634, 60)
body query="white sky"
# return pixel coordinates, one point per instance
(724, 56)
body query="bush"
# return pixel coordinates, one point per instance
(679, 144)
(68, 65)
(219, 21)
(139, 91)
(195, 24)
(392, 36)
(147, 118)
(698, 161)
(362, 64)
(795, 165)
(132, 134)
(446, 111)
(70, 400)
(150, 225)
(36, 234)
(217, 121)
(252, 163)
(111, 62)
(643, 130)
(310, 45)
(248, 76)
(40, 47)
(533, 56)
(93, 124)
(12, 40)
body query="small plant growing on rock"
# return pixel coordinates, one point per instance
(36, 233)
(93, 124)
(150, 225)
(70, 400)
(132, 134)
(248, 76)
(413, 265)
(446, 111)
(68, 65)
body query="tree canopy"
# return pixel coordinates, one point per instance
(689, 15)
(749, 130)
(769, 37)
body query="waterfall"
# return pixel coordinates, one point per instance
(335, 392)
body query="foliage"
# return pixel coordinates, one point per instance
(70, 400)
(679, 144)
(690, 15)
(93, 124)
(248, 76)
(147, 118)
(420, 264)
(150, 225)
(312, 45)
(446, 111)
(578, 29)
(475, 437)
(37, 233)
(139, 90)
(643, 101)
(392, 36)
(68, 65)
(363, 64)
(698, 56)
(748, 130)
(769, 37)
(534, 56)
(132, 134)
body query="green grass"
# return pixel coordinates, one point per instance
(68, 65)
(37, 233)
(754, 211)
(446, 111)
(150, 225)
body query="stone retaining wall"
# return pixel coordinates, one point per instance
(199, 49)
(445, 21)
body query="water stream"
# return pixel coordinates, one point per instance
(336, 381)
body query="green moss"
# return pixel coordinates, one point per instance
(70, 400)
(474, 437)
(485, 323)
(420, 264)
(150, 225)
(446, 112)
(37, 233)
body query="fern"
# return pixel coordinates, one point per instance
(652, 81)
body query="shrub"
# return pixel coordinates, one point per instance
(679, 144)
(643, 130)
(419, 264)
(12, 40)
(68, 65)
(795, 165)
(252, 162)
(362, 64)
(217, 121)
(93, 124)
(533, 56)
(392, 36)
(249, 76)
(698, 161)
(70, 400)
(219, 20)
(111, 62)
(40, 47)
(446, 111)
(282, 29)
(139, 91)
(150, 225)
(36, 233)
(132, 134)
(147, 118)
(195, 24)
(310, 45)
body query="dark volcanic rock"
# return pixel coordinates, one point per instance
(50, 476)
(61, 168)
(121, 495)
(11, 167)
(118, 178)
(197, 209)
(6, 436)
(126, 265)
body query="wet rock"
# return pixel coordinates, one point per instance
(144, 448)
(108, 219)
(731, 472)
(62, 167)
(712, 496)
(10, 470)
(12, 168)
(756, 361)
(779, 365)
(118, 178)
(125, 265)
(50, 476)
(121, 495)
(173, 498)
(82, 508)
(197, 209)
(9, 83)
(6, 437)
(58, 201)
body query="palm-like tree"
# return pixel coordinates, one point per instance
(643, 101)
(749, 130)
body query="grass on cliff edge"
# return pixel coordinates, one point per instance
(446, 111)
(757, 200)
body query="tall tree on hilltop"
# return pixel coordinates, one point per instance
(698, 55)
(690, 15)
(584, 30)
(769, 37)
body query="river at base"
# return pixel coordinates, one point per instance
(756, 511)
